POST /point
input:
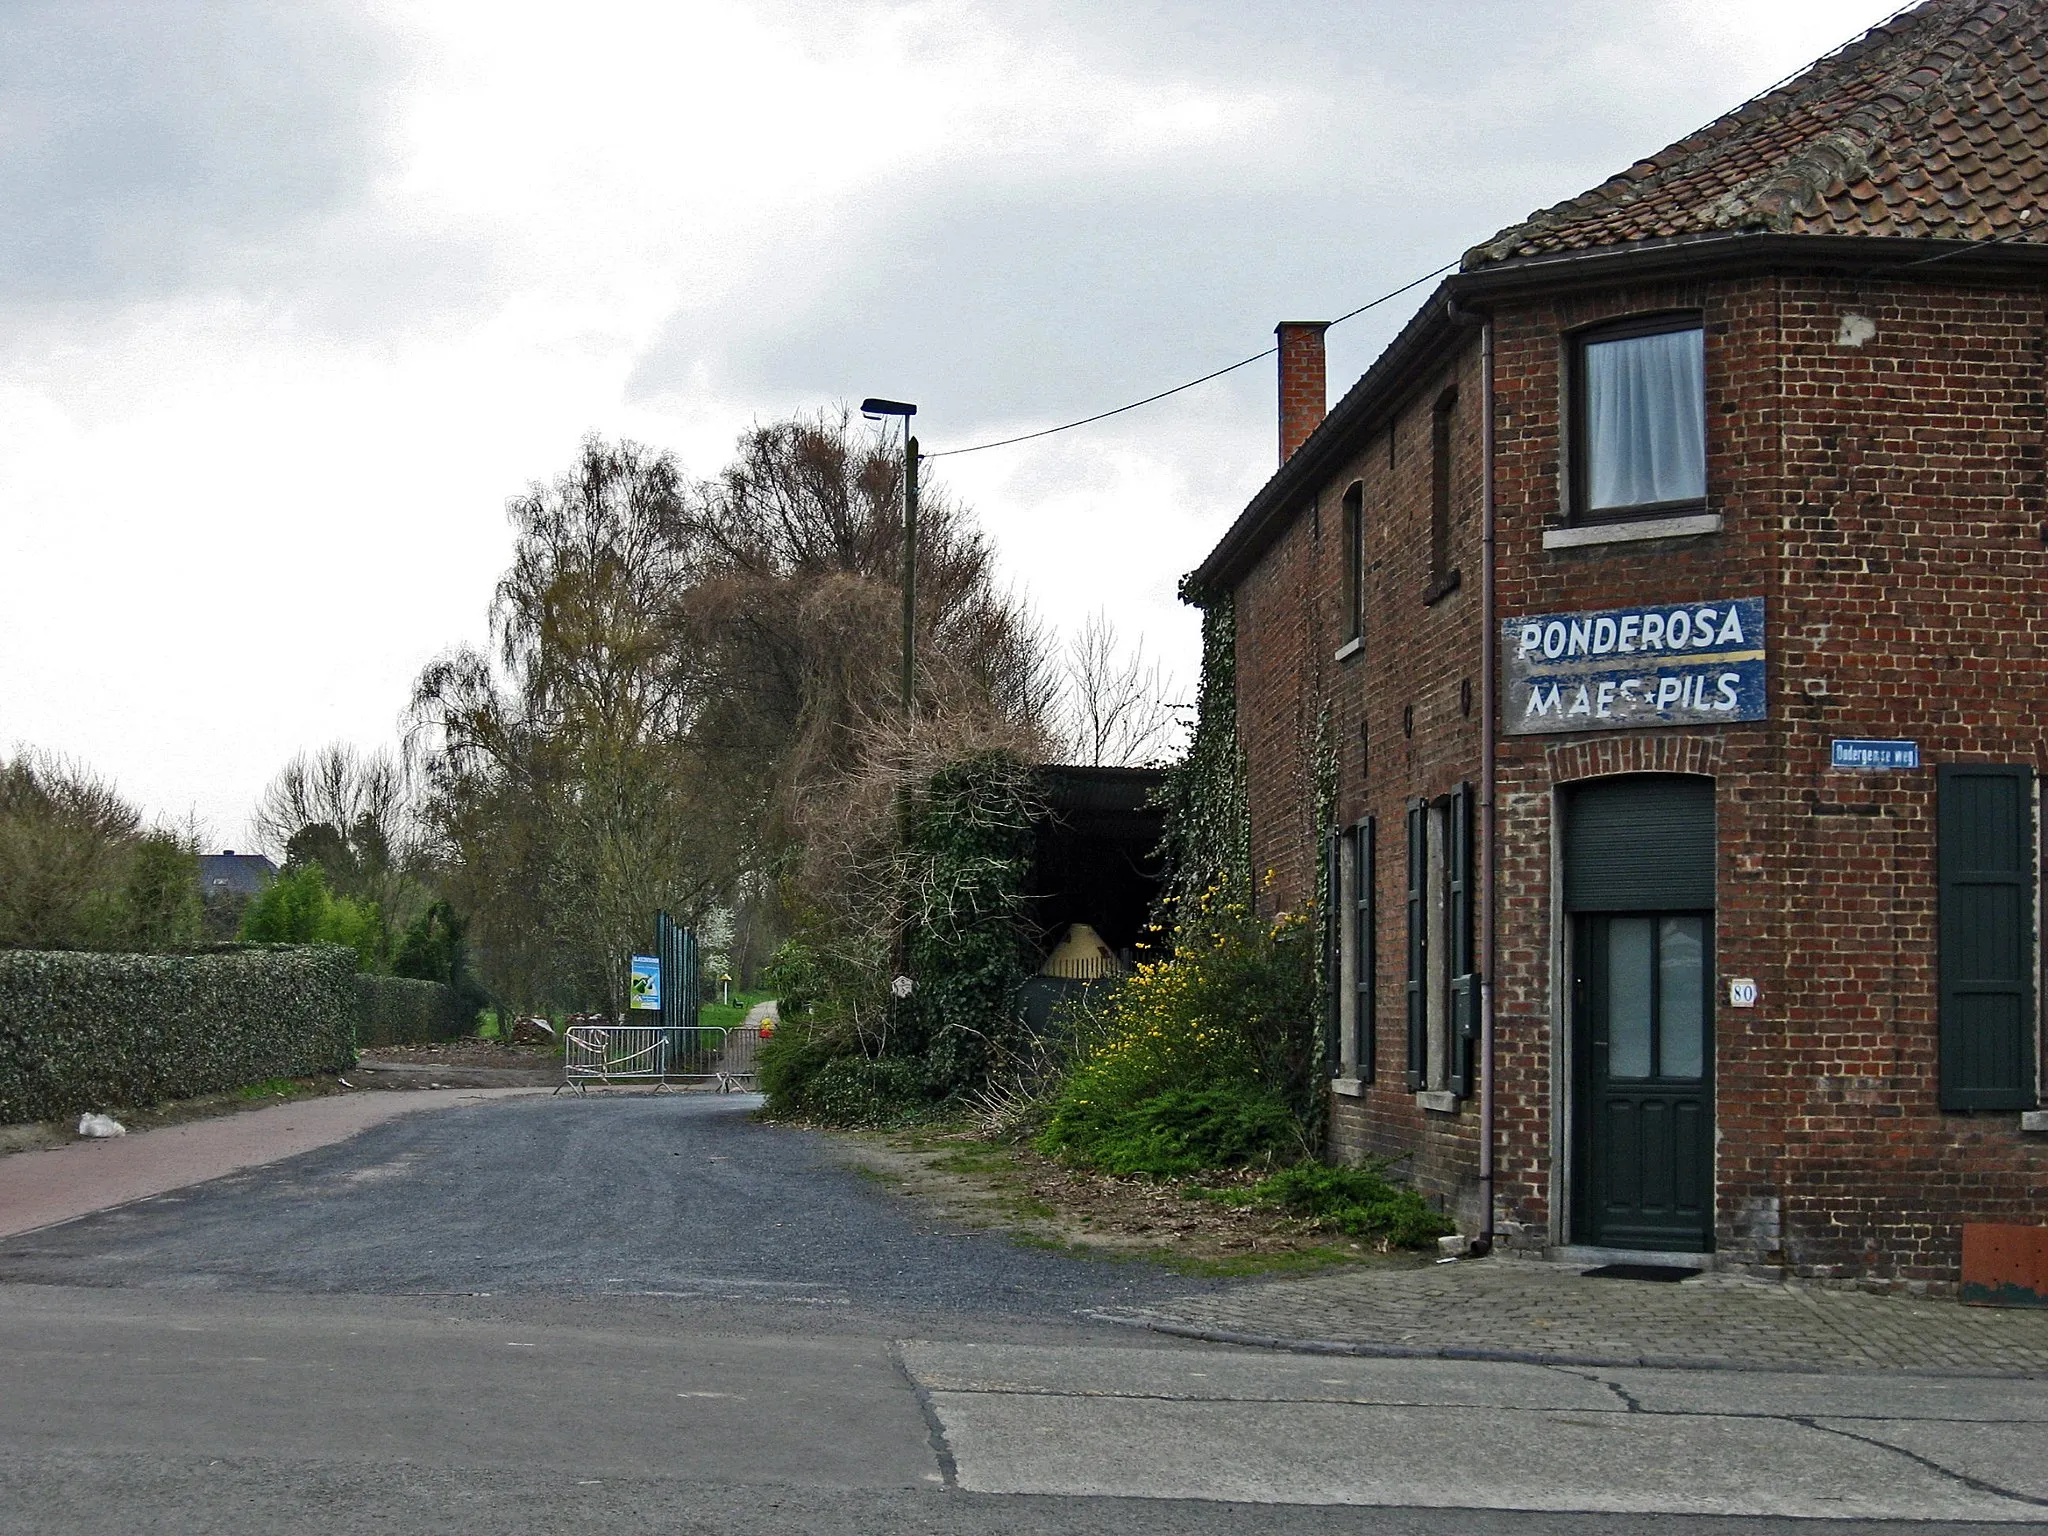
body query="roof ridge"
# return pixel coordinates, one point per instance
(1901, 48)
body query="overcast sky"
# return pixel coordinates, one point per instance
(294, 295)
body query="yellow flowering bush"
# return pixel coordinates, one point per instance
(1201, 1058)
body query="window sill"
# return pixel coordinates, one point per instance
(1443, 589)
(1690, 526)
(1349, 648)
(2034, 1119)
(1349, 1087)
(1439, 1099)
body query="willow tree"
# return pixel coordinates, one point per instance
(563, 780)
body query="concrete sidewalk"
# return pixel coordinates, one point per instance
(1521, 1309)
(41, 1189)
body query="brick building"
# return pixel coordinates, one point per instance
(1669, 599)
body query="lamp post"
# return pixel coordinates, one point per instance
(874, 410)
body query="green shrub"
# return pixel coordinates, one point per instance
(790, 1058)
(795, 976)
(432, 948)
(91, 1031)
(161, 895)
(1175, 1133)
(814, 1072)
(298, 908)
(852, 1090)
(1224, 1027)
(968, 856)
(1359, 1202)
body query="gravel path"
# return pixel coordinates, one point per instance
(670, 1195)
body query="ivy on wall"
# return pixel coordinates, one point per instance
(1323, 773)
(1208, 817)
(967, 862)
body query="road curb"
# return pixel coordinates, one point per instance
(1368, 1349)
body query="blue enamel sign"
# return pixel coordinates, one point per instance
(1617, 668)
(1876, 756)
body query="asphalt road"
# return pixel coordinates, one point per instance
(670, 1195)
(629, 1315)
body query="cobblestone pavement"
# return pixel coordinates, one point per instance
(1525, 1309)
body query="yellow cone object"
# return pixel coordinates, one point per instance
(1081, 956)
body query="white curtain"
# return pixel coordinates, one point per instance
(1646, 437)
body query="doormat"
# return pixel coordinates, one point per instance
(1638, 1272)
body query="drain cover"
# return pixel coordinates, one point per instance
(1639, 1272)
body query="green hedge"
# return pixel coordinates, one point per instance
(85, 1031)
(399, 1011)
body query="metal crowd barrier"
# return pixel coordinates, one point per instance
(607, 1053)
(736, 1062)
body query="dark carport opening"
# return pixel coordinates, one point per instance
(1095, 860)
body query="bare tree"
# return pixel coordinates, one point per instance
(78, 870)
(1115, 710)
(66, 837)
(363, 797)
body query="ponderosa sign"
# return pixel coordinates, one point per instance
(1673, 664)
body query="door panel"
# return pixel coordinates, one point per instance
(1643, 1063)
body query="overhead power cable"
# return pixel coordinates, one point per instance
(1243, 362)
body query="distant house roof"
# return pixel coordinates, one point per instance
(1930, 126)
(234, 874)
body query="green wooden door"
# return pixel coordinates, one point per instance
(1639, 887)
(1643, 988)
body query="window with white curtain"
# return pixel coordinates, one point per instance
(1640, 437)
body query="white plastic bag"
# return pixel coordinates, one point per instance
(100, 1125)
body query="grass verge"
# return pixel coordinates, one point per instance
(1209, 1226)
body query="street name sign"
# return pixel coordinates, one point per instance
(1876, 756)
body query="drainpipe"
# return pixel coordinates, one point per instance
(1489, 689)
(1489, 692)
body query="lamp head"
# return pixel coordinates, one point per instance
(875, 409)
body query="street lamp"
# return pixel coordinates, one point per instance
(875, 410)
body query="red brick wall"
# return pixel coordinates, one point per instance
(1281, 683)
(1887, 502)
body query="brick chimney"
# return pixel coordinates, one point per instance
(1304, 383)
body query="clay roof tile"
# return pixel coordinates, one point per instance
(1936, 119)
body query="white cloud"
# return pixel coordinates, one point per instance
(338, 281)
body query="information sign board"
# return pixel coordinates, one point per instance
(644, 987)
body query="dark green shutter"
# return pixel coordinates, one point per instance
(1640, 844)
(1418, 940)
(1459, 967)
(1986, 853)
(1366, 944)
(1333, 955)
